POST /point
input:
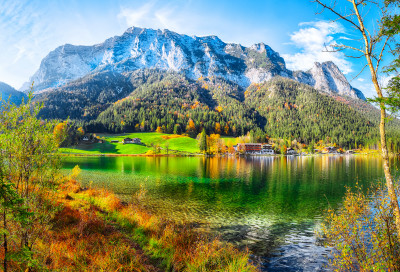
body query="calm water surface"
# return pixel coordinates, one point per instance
(272, 205)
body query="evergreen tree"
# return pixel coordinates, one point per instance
(177, 129)
(203, 141)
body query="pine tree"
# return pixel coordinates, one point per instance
(177, 129)
(203, 141)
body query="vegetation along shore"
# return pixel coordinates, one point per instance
(50, 223)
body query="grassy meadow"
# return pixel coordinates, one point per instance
(177, 144)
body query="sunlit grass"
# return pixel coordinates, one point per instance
(169, 245)
(175, 143)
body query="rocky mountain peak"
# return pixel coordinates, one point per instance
(259, 47)
(142, 48)
(329, 78)
(134, 30)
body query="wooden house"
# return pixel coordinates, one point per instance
(291, 151)
(267, 149)
(128, 141)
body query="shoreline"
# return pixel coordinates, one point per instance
(203, 155)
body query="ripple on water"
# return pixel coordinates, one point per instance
(270, 205)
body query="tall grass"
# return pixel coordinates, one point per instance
(180, 247)
(95, 231)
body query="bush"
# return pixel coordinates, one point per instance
(362, 233)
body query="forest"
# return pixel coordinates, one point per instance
(169, 102)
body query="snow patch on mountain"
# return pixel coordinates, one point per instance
(141, 48)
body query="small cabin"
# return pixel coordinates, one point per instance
(114, 141)
(331, 149)
(128, 141)
(132, 141)
(350, 152)
(291, 151)
(85, 138)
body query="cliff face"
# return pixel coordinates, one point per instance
(141, 48)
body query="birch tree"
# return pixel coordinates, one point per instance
(370, 45)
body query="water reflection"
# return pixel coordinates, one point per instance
(270, 204)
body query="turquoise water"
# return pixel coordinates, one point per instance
(272, 205)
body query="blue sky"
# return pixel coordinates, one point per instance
(31, 29)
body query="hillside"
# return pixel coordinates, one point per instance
(8, 92)
(294, 110)
(281, 108)
(168, 144)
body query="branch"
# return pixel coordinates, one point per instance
(342, 47)
(381, 54)
(343, 17)
(354, 57)
(359, 72)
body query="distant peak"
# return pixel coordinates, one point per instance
(209, 38)
(134, 30)
(328, 63)
(4, 85)
(259, 47)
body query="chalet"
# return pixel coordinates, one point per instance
(128, 141)
(267, 149)
(331, 150)
(132, 141)
(291, 151)
(85, 138)
(253, 148)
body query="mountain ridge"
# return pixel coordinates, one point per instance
(144, 48)
(9, 92)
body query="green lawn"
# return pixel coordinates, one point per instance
(176, 143)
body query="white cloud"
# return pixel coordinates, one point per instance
(155, 15)
(312, 39)
(23, 35)
(184, 17)
(137, 16)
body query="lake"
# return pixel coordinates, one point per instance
(272, 205)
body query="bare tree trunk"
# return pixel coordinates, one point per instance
(388, 175)
(385, 156)
(5, 245)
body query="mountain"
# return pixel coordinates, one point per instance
(141, 48)
(328, 78)
(151, 79)
(8, 92)
(86, 97)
